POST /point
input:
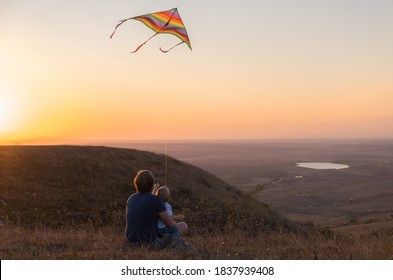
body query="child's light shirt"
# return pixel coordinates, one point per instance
(160, 223)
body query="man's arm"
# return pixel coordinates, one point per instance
(168, 220)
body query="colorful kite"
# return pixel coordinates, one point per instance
(162, 22)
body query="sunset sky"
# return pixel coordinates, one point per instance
(258, 70)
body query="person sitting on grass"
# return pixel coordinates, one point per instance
(182, 227)
(143, 211)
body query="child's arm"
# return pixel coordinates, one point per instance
(155, 188)
(178, 218)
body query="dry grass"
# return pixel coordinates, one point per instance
(106, 243)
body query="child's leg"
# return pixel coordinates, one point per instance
(182, 226)
(173, 231)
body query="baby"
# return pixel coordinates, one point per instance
(181, 226)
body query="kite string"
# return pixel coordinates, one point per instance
(166, 160)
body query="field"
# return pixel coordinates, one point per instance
(363, 193)
(67, 202)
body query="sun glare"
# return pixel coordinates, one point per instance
(3, 118)
(6, 120)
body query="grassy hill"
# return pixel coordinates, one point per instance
(69, 202)
(72, 185)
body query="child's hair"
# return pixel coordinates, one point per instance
(164, 193)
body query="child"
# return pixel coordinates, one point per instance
(181, 226)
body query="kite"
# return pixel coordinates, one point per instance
(168, 22)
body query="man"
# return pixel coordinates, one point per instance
(143, 211)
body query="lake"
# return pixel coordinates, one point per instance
(321, 165)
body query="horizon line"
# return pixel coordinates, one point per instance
(85, 142)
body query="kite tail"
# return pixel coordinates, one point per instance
(141, 45)
(120, 23)
(165, 51)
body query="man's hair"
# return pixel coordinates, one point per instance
(144, 181)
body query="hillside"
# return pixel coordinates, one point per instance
(58, 186)
(68, 202)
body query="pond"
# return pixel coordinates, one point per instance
(321, 165)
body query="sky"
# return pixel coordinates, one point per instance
(257, 70)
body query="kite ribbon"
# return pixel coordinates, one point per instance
(141, 45)
(120, 23)
(165, 51)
